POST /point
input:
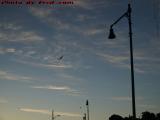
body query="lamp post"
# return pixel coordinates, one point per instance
(127, 14)
(87, 105)
(84, 117)
(54, 116)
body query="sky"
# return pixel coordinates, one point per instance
(33, 81)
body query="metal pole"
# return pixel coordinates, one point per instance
(87, 104)
(131, 62)
(84, 117)
(52, 114)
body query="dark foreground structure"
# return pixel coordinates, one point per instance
(145, 116)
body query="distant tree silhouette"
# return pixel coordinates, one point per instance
(158, 116)
(148, 116)
(127, 118)
(116, 117)
(131, 118)
(145, 116)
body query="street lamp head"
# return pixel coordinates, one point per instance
(111, 34)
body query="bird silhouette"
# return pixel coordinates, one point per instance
(60, 58)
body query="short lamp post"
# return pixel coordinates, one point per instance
(54, 116)
(112, 35)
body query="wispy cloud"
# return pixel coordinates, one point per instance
(10, 26)
(23, 36)
(122, 60)
(57, 23)
(90, 4)
(65, 89)
(84, 17)
(7, 50)
(55, 66)
(60, 88)
(47, 112)
(125, 98)
(147, 106)
(68, 114)
(121, 98)
(51, 66)
(4, 75)
(69, 77)
(113, 58)
(93, 31)
(41, 111)
(48, 17)
(83, 4)
(40, 12)
(16, 33)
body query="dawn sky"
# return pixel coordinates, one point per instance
(33, 81)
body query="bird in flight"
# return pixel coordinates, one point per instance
(60, 58)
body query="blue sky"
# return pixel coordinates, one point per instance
(33, 81)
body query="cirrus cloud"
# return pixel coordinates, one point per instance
(4, 75)
(47, 112)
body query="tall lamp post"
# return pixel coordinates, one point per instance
(127, 14)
